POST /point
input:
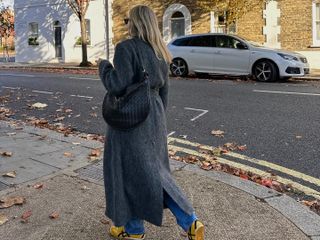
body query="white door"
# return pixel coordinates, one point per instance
(199, 54)
(231, 56)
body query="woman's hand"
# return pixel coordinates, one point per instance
(99, 61)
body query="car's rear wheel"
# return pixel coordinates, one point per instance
(265, 71)
(179, 68)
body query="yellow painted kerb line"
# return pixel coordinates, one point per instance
(293, 173)
(306, 190)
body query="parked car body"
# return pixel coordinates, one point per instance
(231, 55)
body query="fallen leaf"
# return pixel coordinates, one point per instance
(298, 137)
(206, 166)
(3, 219)
(26, 215)
(68, 110)
(84, 187)
(218, 133)
(95, 153)
(308, 203)
(38, 186)
(105, 221)
(59, 119)
(54, 215)
(10, 201)
(68, 154)
(12, 174)
(242, 148)
(11, 134)
(94, 114)
(244, 176)
(39, 105)
(6, 154)
(267, 183)
(230, 146)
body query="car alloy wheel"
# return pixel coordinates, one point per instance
(265, 71)
(179, 68)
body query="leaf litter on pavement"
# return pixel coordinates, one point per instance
(12, 174)
(218, 133)
(8, 202)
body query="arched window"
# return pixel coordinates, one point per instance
(178, 27)
(176, 22)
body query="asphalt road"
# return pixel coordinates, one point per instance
(279, 122)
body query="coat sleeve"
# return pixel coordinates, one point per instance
(118, 77)
(163, 92)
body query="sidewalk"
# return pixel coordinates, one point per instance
(230, 207)
(44, 66)
(313, 76)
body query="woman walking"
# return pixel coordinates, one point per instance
(138, 182)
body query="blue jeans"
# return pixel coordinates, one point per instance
(136, 226)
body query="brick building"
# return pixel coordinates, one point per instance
(287, 24)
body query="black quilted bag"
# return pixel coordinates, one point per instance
(127, 111)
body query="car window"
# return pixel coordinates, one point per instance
(226, 42)
(181, 42)
(201, 41)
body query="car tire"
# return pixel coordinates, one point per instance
(179, 68)
(265, 71)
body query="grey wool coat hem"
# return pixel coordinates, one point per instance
(136, 163)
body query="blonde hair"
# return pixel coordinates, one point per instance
(143, 24)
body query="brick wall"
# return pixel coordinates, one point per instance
(200, 17)
(250, 25)
(296, 24)
(295, 20)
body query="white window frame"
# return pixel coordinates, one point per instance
(32, 34)
(167, 20)
(316, 42)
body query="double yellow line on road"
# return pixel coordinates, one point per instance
(287, 171)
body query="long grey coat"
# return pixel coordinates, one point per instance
(136, 162)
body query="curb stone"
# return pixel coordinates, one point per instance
(306, 220)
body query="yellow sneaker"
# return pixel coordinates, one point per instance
(120, 233)
(196, 231)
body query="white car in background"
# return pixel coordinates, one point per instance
(224, 54)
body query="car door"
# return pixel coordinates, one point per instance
(200, 53)
(231, 56)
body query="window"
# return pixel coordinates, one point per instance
(176, 22)
(182, 42)
(229, 42)
(201, 41)
(316, 24)
(33, 39)
(220, 24)
(177, 25)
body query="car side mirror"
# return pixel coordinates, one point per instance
(241, 46)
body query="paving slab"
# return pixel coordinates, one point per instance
(26, 169)
(226, 212)
(79, 155)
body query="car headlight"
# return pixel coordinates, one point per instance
(288, 57)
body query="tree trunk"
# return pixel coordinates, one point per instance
(84, 44)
